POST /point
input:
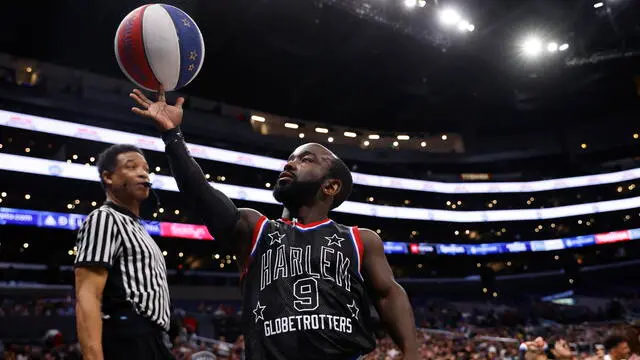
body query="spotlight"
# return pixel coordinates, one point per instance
(471, 27)
(463, 25)
(322, 130)
(552, 47)
(301, 135)
(599, 4)
(449, 17)
(532, 46)
(563, 47)
(374, 137)
(410, 3)
(330, 139)
(422, 3)
(403, 137)
(365, 143)
(291, 125)
(258, 118)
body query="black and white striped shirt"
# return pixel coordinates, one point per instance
(114, 238)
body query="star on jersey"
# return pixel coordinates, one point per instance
(258, 311)
(335, 239)
(276, 237)
(353, 308)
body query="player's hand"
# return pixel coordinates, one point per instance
(165, 116)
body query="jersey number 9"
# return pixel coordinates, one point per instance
(306, 292)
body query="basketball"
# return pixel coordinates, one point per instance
(157, 45)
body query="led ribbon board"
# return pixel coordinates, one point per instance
(31, 165)
(69, 221)
(93, 133)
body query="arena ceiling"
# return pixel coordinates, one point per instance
(375, 63)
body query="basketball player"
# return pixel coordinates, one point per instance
(307, 281)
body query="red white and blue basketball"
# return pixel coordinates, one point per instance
(159, 44)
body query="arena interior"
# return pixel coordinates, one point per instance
(494, 146)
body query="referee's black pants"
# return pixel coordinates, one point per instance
(127, 335)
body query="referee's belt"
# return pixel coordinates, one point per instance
(126, 322)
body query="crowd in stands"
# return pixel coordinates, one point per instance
(445, 332)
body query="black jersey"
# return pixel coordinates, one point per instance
(304, 295)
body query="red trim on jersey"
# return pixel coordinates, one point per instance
(256, 232)
(132, 53)
(306, 226)
(254, 239)
(356, 233)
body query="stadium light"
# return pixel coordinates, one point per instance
(374, 137)
(403, 137)
(463, 25)
(350, 134)
(322, 130)
(563, 47)
(449, 17)
(410, 3)
(258, 118)
(471, 27)
(599, 4)
(291, 125)
(422, 3)
(532, 46)
(552, 47)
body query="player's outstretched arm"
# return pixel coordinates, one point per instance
(223, 219)
(390, 299)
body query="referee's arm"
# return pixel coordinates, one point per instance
(97, 245)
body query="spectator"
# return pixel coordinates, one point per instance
(617, 347)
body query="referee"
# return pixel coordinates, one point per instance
(122, 296)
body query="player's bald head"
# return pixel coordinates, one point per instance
(317, 149)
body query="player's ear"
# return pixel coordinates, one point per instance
(332, 187)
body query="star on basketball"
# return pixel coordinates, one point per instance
(191, 67)
(353, 308)
(335, 239)
(259, 311)
(276, 237)
(186, 22)
(193, 55)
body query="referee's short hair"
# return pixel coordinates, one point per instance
(107, 160)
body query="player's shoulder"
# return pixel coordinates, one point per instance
(369, 238)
